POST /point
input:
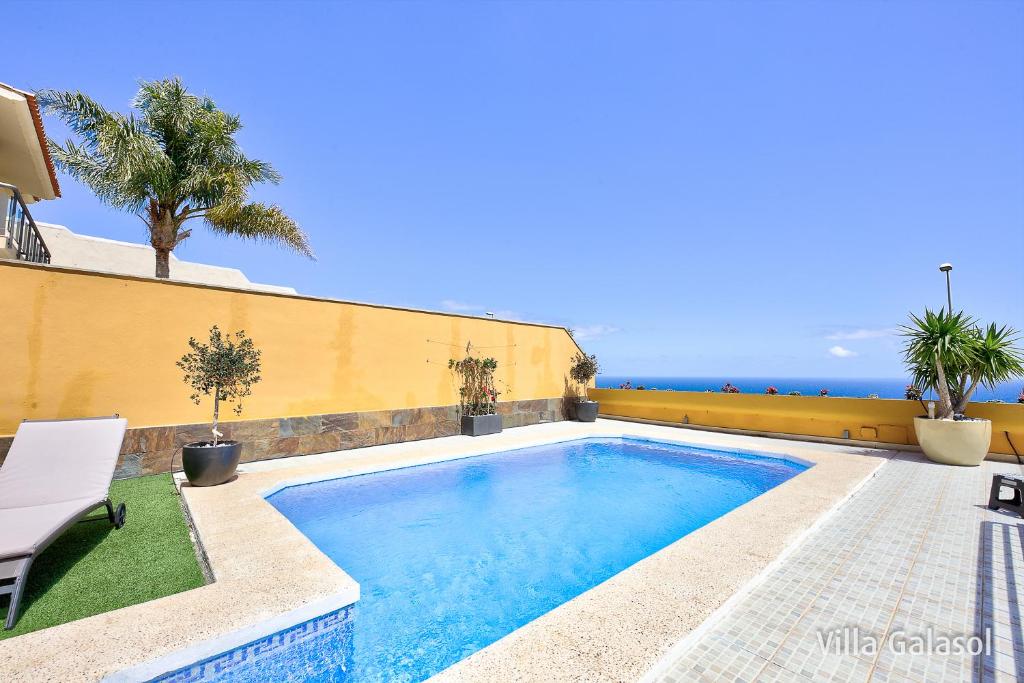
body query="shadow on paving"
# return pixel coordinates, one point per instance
(999, 610)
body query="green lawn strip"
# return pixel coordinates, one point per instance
(93, 568)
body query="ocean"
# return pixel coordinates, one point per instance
(807, 386)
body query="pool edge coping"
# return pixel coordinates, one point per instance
(224, 644)
(324, 595)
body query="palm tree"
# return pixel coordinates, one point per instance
(173, 160)
(952, 354)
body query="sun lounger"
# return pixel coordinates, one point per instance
(56, 473)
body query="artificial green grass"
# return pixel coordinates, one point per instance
(94, 568)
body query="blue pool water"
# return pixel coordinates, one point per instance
(450, 557)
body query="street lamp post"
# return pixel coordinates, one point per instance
(945, 268)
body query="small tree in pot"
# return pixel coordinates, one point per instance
(582, 369)
(952, 355)
(226, 369)
(478, 399)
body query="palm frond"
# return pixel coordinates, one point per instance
(260, 222)
(83, 115)
(997, 358)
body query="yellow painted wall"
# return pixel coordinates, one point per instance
(885, 420)
(76, 343)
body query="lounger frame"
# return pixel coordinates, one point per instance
(14, 569)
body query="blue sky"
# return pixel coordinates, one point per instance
(697, 188)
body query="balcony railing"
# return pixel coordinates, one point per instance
(19, 232)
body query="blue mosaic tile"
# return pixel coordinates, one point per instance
(319, 649)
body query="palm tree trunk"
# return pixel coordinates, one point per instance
(965, 400)
(163, 263)
(946, 403)
(163, 233)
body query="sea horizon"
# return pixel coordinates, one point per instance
(861, 387)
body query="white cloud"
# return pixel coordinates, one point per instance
(592, 331)
(460, 306)
(860, 334)
(840, 352)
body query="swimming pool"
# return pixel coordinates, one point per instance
(452, 556)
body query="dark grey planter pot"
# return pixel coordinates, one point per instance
(210, 465)
(586, 411)
(479, 425)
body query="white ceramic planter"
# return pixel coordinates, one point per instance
(954, 442)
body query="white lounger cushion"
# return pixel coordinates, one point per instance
(60, 461)
(28, 529)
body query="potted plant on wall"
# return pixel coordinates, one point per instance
(582, 369)
(478, 399)
(226, 369)
(952, 355)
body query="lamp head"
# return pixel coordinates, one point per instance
(946, 267)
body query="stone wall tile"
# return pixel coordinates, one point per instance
(386, 435)
(356, 439)
(255, 450)
(506, 408)
(532, 406)
(129, 465)
(405, 416)
(284, 447)
(511, 421)
(375, 419)
(186, 434)
(158, 438)
(339, 422)
(299, 426)
(419, 431)
(318, 443)
(132, 442)
(148, 450)
(447, 428)
(157, 462)
(253, 430)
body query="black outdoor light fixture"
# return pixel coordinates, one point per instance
(945, 268)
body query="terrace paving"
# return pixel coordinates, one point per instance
(914, 550)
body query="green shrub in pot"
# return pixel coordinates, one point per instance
(582, 370)
(225, 369)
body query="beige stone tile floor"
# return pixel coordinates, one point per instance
(269, 576)
(914, 552)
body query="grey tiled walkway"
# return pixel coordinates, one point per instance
(914, 552)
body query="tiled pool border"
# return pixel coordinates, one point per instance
(225, 653)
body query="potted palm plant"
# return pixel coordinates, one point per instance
(582, 369)
(950, 354)
(226, 369)
(478, 399)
